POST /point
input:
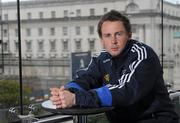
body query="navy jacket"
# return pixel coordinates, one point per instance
(132, 83)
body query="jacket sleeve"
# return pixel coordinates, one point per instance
(86, 84)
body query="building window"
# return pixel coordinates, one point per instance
(52, 45)
(91, 30)
(28, 15)
(53, 14)
(78, 44)
(134, 28)
(65, 45)
(5, 32)
(92, 12)
(16, 32)
(5, 17)
(5, 46)
(28, 32)
(16, 45)
(64, 31)
(78, 30)
(92, 44)
(29, 45)
(40, 45)
(78, 13)
(105, 10)
(52, 31)
(65, 13)
(40, 31)
(41, 15)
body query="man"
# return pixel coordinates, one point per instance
(127, 76)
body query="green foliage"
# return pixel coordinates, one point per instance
(10, 93)
(98, 118)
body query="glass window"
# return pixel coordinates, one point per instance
(5, 46)
(65, 13)
(28, 45)
(52, 45)
(92, 12)
(5, 32)
(64, 30)
(5, 17)
(52, 31)
(78, 30)
(41, 15)
(16, 45)
(53, 14)
(28, 32)
(91, 30)
(40, 45)
(92, 44)
(105, 10)
(78, 12)
(16, 32)
(28, 15)
(76, 20)
(40, 31)
(65, 45)
(78, 45)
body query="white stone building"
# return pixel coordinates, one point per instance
(51, 29)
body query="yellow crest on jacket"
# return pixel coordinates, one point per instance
(106, 78)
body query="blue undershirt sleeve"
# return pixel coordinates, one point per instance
(73, 85)
(104, 96)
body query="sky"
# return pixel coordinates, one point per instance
(9, 0)
(173, 1)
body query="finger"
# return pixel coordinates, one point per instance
(55, 98)
(63, 104)
(53, 89)
(62, 88)
(56, 102)
(58, 106)
(54, 93)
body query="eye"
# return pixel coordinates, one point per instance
(118, 33)
(107, 35)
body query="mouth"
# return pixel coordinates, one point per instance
(114, 49)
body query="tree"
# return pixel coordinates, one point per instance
(10, 94)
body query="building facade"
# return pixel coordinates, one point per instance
(52, 29)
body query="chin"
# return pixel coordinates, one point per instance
(114, 55)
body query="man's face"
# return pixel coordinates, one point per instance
(114, 37)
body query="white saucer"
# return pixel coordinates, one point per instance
(48, 104)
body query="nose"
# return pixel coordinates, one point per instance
(113, 39)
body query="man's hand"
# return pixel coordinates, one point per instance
(67, 98)
(55, 96)
(62, 98)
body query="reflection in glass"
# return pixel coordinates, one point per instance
(51, 30)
